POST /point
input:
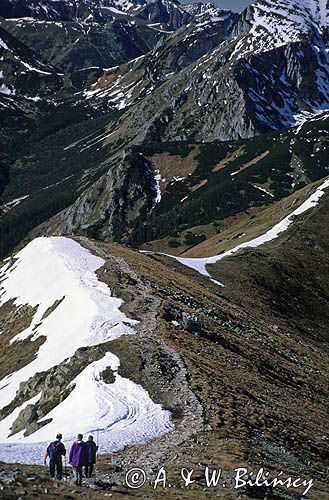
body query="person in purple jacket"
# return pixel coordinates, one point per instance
(78, 458)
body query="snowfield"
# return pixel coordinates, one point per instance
(58, 271)
(199, 264)
(278, 22)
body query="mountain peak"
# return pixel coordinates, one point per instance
(67, 10)
(268, 24)
(311, 11)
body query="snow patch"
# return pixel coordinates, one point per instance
(201, 263)
(44, 272)
(157, 178)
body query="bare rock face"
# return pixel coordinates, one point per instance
(213, 76)
(25, 418)
(229, 94)
(54, 386)
(233, 78)
(165, 12)
(115, 202)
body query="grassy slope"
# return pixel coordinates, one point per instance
(256, 360)
(69, 158)
(280, 163)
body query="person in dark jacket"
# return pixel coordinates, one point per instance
(78, 458)
(92, 448)
(55, 451)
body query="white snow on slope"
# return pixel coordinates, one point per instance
(33, 68)
(3, 45)
(157, 179)
(278, 22)
(201, 263)
(13, 203)
(47, 270)
(121, 413)
(7, 90)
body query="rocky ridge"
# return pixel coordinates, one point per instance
(198, 84)
(233, 379)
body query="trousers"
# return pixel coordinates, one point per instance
(78, 474)
(89, 469)
(56, 466)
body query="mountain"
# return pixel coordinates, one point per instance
(92, 10)
(23, 71)
(94, 330)
(84, 37)
(259, 371)
(163, 190)
(62, 10)
(199, 84)
(272, 87)
(267, 24)
(164, 198)
(169, 13)
(73, 45)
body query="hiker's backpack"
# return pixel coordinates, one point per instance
(55, 450)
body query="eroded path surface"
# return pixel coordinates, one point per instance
(233, 375)
(251, 373)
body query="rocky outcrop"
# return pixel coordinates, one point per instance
(114, 203)
(229, 97)
(14, 321)
(54, 386)
(165, 12)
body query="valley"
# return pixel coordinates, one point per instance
(163, 242)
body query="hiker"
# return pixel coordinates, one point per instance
(78, 458)
(55, 451)
(92, 448)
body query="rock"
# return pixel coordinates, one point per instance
(108, 375)
(119, 197)
(25, 417)
(190, 323)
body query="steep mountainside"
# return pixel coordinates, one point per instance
(74, 46)
(238, 89)
(22, 70)
(162, 11)
(183, 192)
(199, 85)
(164, 186)
(92, 33)
(269, 24)
(82, 38)
(254, 369)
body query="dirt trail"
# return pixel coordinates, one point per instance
(146, 342)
